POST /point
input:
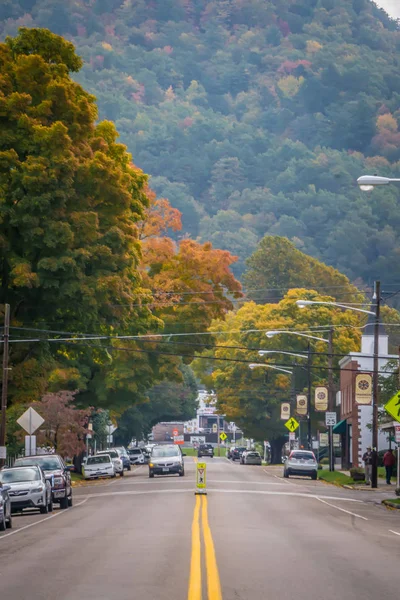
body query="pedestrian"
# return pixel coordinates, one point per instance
(368, 458)
(389, 462)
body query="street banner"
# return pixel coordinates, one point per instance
(321, 399)
(323, 439)
(285, 410)
(363, 388)
(201, 478)
(301, 404)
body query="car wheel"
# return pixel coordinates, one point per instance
(50, 504)
(3, 523)
(122, 473)
(64, 503)
(151, 474)
(113, 476)
(286, 475)
(70, 501)
(129, 468)
(9, 522)
(44, 509)
(314, 476)
(181, 473)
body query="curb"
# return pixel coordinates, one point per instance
(391, 504)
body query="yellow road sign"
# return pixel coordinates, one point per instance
(393, 407)
(201, 475)
(292, 424)
(223, 436)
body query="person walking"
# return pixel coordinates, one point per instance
(389, 461)
(368, 459)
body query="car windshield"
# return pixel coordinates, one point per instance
(19, 475)
(254, 454)
(135, 451)
(48, 463)
(167, 451)
(98, 460)
(304, 455)
(111, 453)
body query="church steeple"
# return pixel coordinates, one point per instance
(367, 338)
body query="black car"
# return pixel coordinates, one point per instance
(205, 450)
(5, 508)
(236, 453)
(56, 471)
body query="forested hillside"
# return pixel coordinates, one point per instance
(253, 117)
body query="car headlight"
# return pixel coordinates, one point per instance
(58, 481)
(38, 490)
(151, 465)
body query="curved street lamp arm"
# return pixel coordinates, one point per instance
(306, 335)
(265, 366)
(304, 303)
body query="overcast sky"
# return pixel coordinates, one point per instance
(391, 6)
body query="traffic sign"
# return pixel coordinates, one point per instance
(393, 406)
(30, 420)
(292, 436)
(201, 478)
(292, 424)
(179, 439)
(222, 436)
(397, 434)
(175, 432)
(330, 419)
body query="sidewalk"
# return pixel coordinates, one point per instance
(382, 485)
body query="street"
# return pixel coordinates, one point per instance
(254, 536)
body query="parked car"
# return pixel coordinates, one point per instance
(243, 454)
(237, 452)
(28, 488)
(5, 508)
(136, 456)
(56, 471)
(124, 456)
(166, 460)
(205, 450)
(301, 462)
(251, 457)
(116, 459)
(98, 466)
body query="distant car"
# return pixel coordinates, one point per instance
(28, 488)
(5, 508)
(166, 460)
(237, 452)
(98, 466)
(124, 456)
(136, 456)
(205, 450)
(243, 454)
(251, 457)
(301, 462)
(116, 459)
(56, 471)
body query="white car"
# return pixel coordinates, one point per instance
(116, 459)
(301, 462)
(28, 488)
(97, 466)
(136, 456)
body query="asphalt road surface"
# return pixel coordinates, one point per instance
(255, 536)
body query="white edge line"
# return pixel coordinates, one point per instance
(395, 532)
(342, 509)
(63, 512)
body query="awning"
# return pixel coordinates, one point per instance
(340, 427)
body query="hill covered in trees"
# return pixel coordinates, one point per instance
(253, 117)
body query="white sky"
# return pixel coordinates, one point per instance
(392, 7)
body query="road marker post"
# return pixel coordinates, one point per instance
(201, 479)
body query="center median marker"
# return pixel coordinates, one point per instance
(201, 470)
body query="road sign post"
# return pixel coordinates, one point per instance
(201, 478)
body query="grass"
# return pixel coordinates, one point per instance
(76, 477)
(335, 477)
(395, 500)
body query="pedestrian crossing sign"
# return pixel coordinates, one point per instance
(393, 407)
(223, 436)
(292, 424)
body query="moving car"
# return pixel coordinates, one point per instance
(5, 508)
(97, 466)
(56, 471)
(124, 456)
(236, 453)
(116, 459)
(165, 460)
(301, 462)
(28, 488)
(205, 450)
(136, 456)
(251, 457)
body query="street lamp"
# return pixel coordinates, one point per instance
(255, 365)
(369, 182)
(264, 352)
(376, 314)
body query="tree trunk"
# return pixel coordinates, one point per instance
(276, 450)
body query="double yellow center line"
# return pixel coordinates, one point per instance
(213, 582)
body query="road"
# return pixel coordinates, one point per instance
(255, 536)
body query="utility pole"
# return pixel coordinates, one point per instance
(4, 388)
(375, 386)
(218, 442)
(309, 441)
(331, 398)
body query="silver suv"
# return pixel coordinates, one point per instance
(165, 460)
(301, 462)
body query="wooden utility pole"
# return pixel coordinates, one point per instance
(4, 384)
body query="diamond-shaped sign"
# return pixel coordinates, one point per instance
(292, 424)
(223, 436)
(30, 420)
(393, 406)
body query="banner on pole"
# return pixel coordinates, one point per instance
(321, 399)
(285, 410)
(301, 404)
(363, 389)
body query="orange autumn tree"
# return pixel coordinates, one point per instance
(192, 283)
